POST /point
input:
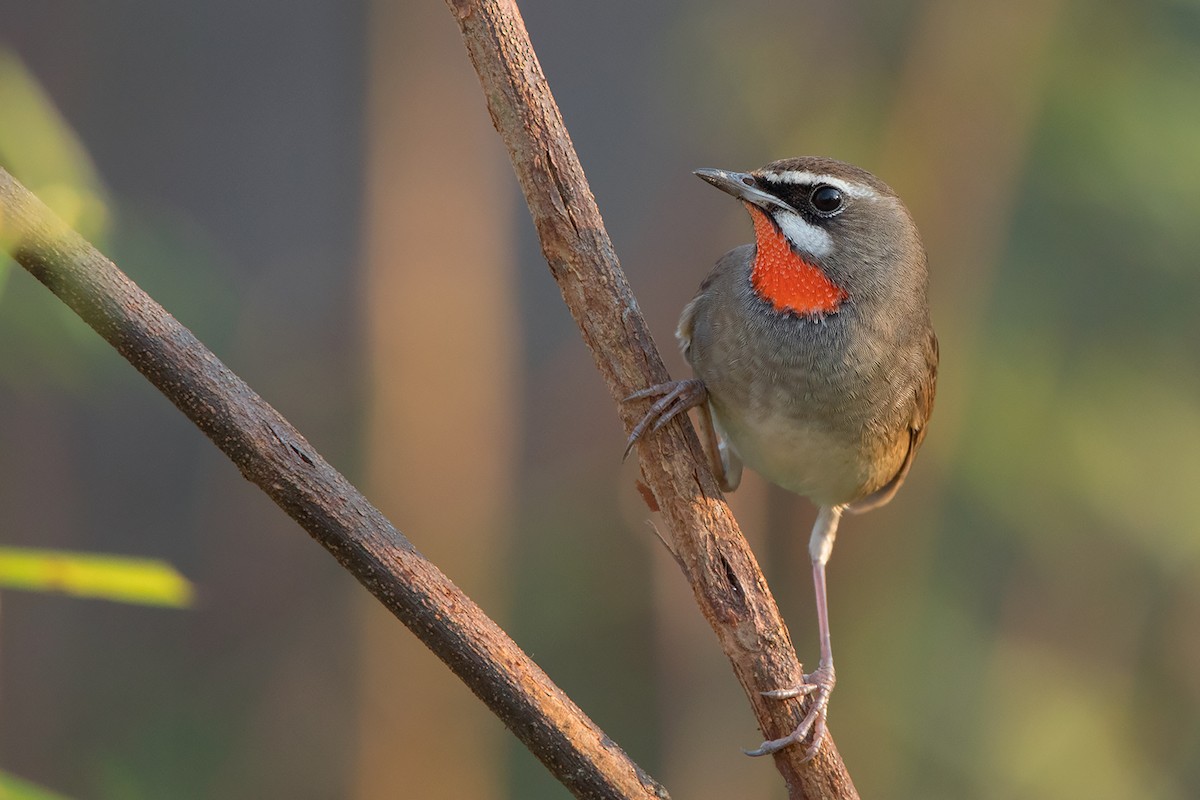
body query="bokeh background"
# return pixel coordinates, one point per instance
(315, 189)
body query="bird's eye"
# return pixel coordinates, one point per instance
(826, 199)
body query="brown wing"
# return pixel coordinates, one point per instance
(922, 411)
(724, 461)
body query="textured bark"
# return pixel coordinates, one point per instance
(726, 579)
(274, 456)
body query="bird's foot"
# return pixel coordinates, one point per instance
(817, 686)
(674, 398)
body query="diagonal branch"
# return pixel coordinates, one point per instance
(274, 456)
(726, 579)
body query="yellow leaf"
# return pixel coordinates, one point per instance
(126, 580)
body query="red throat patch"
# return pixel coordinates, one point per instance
(783, 278)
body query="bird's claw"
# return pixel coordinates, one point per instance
(817, 685)
(674, 398)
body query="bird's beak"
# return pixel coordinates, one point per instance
(743, 186)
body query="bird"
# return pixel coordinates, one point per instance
(814, 360)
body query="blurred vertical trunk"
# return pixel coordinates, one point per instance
(441, 308)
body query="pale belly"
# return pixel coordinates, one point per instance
(804, 457)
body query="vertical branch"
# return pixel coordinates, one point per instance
(726, 579)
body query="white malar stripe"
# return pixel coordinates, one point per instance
(806, 237)
(813, 178)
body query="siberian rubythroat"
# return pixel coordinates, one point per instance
(815, 362)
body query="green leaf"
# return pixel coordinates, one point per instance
(38, 146)
(16, 789)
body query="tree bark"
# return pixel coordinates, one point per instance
(272, 454)
(727, 582)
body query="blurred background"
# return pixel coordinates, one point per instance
(315, 189)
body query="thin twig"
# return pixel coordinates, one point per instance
(726, 579)
(273, 455)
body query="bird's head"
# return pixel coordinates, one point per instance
(826, 233)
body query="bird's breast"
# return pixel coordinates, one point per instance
(813, 403)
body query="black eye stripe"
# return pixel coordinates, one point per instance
(817, 201)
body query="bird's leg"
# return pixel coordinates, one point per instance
(674, 398)
(819, 683)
